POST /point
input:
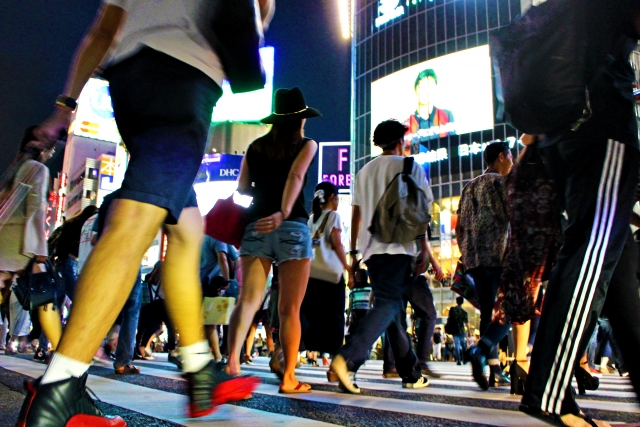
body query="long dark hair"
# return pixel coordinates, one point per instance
(25, 153)
(529, 167)
(324, 191)
(281, 141)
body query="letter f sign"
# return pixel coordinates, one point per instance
(342, 158)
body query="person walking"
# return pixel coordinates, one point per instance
(23, 241)
(482, 232)
(595, 168)
(390, 265)
(458, 327)
(323, 306)
(68, 248)
(164, 79)
(535, 237)
(437, 344)
(274, 172)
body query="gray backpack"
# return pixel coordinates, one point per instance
(403, 213)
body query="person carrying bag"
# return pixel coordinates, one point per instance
(323, 307)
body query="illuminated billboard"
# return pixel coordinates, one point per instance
(250, 106)
(94, 116)
(448, 95)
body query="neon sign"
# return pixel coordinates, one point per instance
(476, 148)
(335, 164)
(388, 10)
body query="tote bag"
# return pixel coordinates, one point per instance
(217, 311)
(325, 265)
(226, 222)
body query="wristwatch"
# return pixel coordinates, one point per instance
(354, 252)
(67, 102)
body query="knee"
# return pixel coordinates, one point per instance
(288, 310)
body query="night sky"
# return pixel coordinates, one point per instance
(38, 39)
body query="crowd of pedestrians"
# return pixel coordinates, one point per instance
(554, 223)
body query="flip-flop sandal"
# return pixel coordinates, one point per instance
(297, 390)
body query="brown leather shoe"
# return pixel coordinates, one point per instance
(127, 370)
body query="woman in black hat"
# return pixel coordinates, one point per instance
(274, 172)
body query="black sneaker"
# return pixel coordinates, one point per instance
(478, 363)
(63, 403)
(41, 355)
(212, 386)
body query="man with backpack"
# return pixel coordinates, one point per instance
(455, 326)
(390, 212)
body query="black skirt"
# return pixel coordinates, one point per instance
(322, 316)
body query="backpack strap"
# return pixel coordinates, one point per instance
(408, 165)
(323, 224)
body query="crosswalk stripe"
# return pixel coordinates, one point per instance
(477, 406)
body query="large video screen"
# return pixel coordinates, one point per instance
(250, 106)
(444, 96)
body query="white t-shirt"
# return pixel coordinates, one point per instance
(168, 26)
(371, 183)
(86, 235)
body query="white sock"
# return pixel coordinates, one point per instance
(195, 356)
(62, 368)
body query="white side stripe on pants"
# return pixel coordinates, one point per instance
(560, 375)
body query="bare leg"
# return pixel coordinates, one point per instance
(181, 277)
(248, 346)
(109, 275)
(254, 273)
(270, 344)
(51, 324)
(214, 341)
(521, 341)
(294, 276)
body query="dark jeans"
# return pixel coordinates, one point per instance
(70, 275)
(459, 347)
(487, 281)
(130, 316)
(354, 320)
(391, 277)
(611, 347)
(421, 300)
(597, 180)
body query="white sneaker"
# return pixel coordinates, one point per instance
(421, 383)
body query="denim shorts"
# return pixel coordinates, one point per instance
(291, 241)
(162, 107)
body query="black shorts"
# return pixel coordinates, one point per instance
(163, 108)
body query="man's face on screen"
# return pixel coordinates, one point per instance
(426, 91)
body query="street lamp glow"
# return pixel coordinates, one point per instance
(344, 8)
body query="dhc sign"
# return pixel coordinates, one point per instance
(219, 167)
(335, 164)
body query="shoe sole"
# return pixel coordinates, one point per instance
(80, 420)
(227, 392)
(411, 386)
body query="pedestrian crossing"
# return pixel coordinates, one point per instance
(452, 400)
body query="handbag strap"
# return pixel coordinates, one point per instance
(320, 229)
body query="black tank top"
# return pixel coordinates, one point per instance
(268, 178)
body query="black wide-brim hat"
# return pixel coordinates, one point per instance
(289, 105)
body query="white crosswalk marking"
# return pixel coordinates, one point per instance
(453, 399)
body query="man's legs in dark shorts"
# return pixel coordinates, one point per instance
(597, 179)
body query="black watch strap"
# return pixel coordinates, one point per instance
(66, 101)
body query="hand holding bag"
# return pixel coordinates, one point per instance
(37, 289)
(226, 222)
(464, 285)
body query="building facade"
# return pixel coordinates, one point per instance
(396, 40)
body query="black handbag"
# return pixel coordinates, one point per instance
(37, 289)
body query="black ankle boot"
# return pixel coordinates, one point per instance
(62, 404)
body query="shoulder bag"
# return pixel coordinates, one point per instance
(325, 260)
(37, 289)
